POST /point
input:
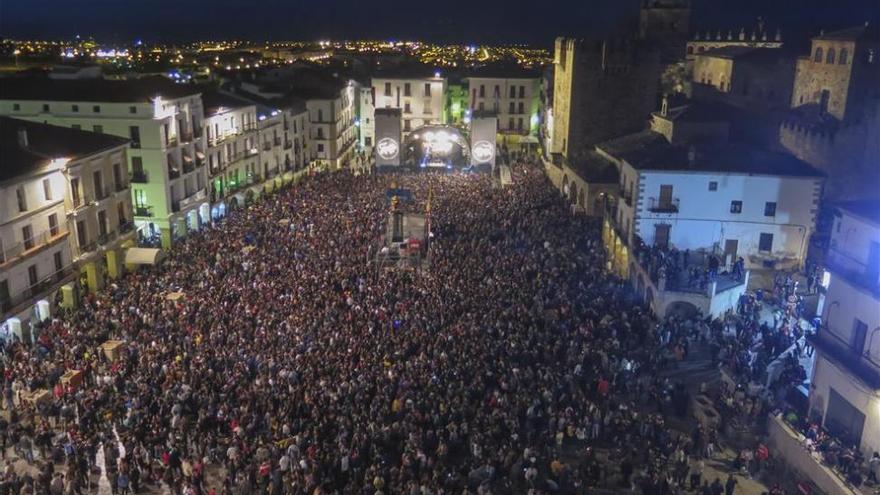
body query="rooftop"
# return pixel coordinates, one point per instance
(142, 90)
(595, 169)
(648, 150)
(868, 209)
(214, 101)
(695, 112)
(44, 143)
(865, 32)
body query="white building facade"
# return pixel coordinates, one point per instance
(514, 100)
(845, 387)
(65, 218)
(332, 134)
(420, 99)
(164, 122)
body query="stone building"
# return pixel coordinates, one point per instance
(602, 89)
(666, 24)
(758, 37)
(834, 119)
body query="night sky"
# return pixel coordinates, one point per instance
(469, 21)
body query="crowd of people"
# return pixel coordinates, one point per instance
(684, 270)
(514, 363)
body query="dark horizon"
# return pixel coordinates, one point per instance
(460, 22)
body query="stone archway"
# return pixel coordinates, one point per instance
(681, 309)
(573, 193)
(565, 185)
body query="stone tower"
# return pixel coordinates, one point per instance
(666, 23)
(602, 89)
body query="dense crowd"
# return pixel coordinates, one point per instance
(292, 365)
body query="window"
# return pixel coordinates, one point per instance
(388, 89)
(16, 107)
(98, 128)
(713, 185)
(497, 91)
(843, 59)
(482, 91)
(320, 147)
(22, 199)
(27, 236)
(427, 89)
(522, 91)
(134, 132)
(32, 275)
(513, 91)
(770, 209)
(407, 90)
(74, 108)
(521, 107)
(368, 141)
(5, 300)
(320, 115)
(736, 206)
(407, 125)
(47, 189)
(45, 108)
(819, 55)
(99, 184)
(765, 243)
(859, 334)
(59, 261)
(117, 176)
(510, 124)
(481, 106)
(132, 109)
(829, 59)
(519, 124)
(512, 107)
(81, 234)
(96, 108)
(406, 108)
(53, 224)
(74, 192)
(102, 222)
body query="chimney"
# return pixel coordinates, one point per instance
(22, 137)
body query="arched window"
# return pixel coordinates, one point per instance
(702, 49)
(818, 56)
(690, 50)
(829, 59)
(844, 56)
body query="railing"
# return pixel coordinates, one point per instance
(663, 206)
(88, 247)
(277, 141)
(37, 289)
(107, 238)
(254, 178)
(143, 211)
(139, 177)
(853, 270)
(35, 241)
(267, 145)
(101, 193)
(186, 137)
(189, 200)
(861, 365)
(120, 186)
(78, 201)
(125, 226)
(173, 173)
(288, 145)
(188, 165)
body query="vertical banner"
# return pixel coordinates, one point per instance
(388, 146)
(483, 132)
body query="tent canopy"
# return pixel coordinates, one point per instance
(142, 256)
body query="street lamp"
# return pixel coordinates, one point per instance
(17, 52)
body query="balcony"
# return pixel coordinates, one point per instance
(277, 141)
(254, 178)
(188, 201)
(35, 242)
(188, 164)
(143, 211)
(125, 226)
(101, 193)
(288, 145)
(854, 271)
(120, 186)
(267, 146)
(863, 366)
(186, 137)
(251, 152)
(656, 205)
(139, 177)
(35, 291)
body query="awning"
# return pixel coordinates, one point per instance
(142, 256)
